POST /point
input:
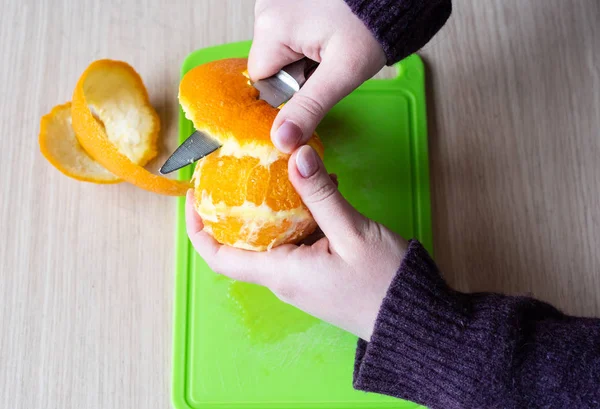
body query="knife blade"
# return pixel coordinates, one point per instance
(274, 90)
(194, 148)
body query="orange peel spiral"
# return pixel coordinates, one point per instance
(123, 126)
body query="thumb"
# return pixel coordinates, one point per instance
(299, 117)
(339, 221)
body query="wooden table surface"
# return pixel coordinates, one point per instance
(87, 271)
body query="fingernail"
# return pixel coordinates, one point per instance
(306, 161)
(287, 136)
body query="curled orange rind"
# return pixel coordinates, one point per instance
(115, 128)
(60, 147)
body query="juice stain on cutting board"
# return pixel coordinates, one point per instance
(266, 318)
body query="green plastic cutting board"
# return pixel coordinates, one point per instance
(236, 345)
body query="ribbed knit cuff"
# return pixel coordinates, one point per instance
(422, 348)
(402, 27)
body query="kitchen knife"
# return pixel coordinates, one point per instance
(274, 90)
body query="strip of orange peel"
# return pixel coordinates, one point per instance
(60, 147)
(112, 81)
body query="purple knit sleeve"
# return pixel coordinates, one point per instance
(445, 349)
(402, 27)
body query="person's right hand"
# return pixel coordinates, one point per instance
(324, 31)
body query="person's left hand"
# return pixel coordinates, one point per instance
(342, 278)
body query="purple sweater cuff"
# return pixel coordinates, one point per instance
(418, 335)
(402, 27)
(445, 349)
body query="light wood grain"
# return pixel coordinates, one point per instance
(87, 271)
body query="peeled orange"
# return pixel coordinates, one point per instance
(242, 190)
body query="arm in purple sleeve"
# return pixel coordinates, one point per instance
(402, 27)
(447, 349)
